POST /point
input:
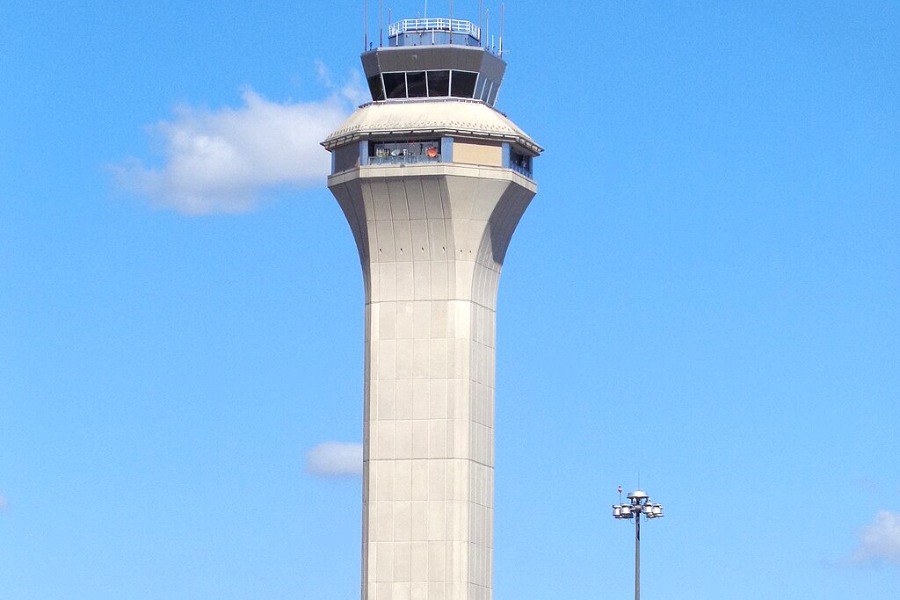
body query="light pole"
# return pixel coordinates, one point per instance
(639, 504)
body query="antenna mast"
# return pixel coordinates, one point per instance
(502, 18)
(487, 34)
(481, 21)
(365, 25)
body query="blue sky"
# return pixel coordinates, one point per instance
(703, 300)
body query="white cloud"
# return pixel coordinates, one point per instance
(335, 459)
(353, 91)
(224, 161)
(879, 541)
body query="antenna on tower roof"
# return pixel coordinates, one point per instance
(481, 21)
(487, 30)
(365, 25)
(502, 17)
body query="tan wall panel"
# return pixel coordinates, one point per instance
(478, 154)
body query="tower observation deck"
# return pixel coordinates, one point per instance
(433, 181)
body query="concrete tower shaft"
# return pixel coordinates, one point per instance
(431, 246)
(433, 188)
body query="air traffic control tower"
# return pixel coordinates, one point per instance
(433, 181)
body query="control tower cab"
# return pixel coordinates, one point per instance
(433, 90)
(433, 58)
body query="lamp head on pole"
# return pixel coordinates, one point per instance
(639, 504)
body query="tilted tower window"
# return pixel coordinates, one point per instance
(486, 90)
(398, 85)
(376, 88)
(416, 84)
(479, 87)
(438, 83)
(492, 97)
(395, 85)
(462, 84)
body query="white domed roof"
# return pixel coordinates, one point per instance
(427, 116)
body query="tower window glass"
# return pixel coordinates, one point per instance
(492, 97)
(486, 91)
(433, 84)
(479, 87)
(395, 85)
(376, 88)
(438, 83)
(416, 86)
(463, 84)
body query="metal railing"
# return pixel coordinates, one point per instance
(522, 170)
(429, 25)
(404, 159)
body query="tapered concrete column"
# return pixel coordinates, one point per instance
(431, 242)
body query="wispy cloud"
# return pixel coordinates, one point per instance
(335, 459)
(879, 541)
(353, 90)
(4, 503)
(227, 160)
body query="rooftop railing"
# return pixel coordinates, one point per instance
(435, 25)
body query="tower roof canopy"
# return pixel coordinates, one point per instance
(451, 117)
